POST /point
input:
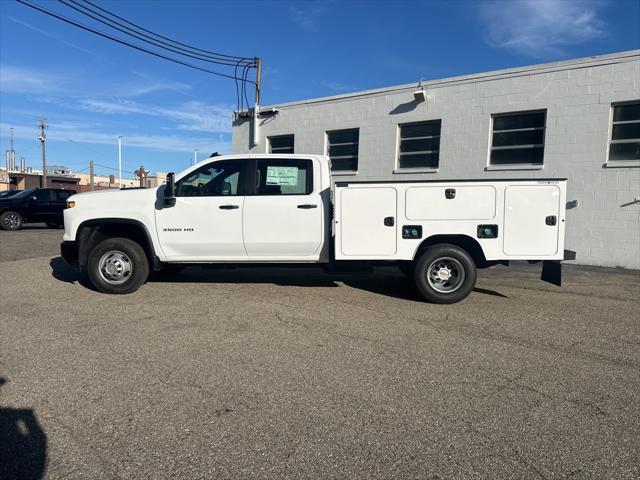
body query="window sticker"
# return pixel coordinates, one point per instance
(282, 175)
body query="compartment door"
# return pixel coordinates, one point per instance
(531, 220)
(368, 221)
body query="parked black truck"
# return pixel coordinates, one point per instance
(34, 205)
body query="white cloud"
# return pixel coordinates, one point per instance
(16, 79)
(542, 28)
(161, 143)
(50, 35)
(25, 80)
(306, 17)
(191, 116)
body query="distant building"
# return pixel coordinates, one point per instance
(577, 119)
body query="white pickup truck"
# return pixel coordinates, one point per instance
(286, 209)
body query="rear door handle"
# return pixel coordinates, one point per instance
(228, 207)
(307, 205)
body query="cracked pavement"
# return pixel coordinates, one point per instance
(272, 373)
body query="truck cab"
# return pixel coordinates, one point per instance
(245, 210)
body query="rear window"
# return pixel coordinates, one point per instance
(284, 177)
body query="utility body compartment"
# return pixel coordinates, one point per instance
(509, 219)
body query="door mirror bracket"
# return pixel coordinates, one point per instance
(170, 190)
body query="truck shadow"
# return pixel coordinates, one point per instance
(386, 281)
(23, 444)
(63, 272)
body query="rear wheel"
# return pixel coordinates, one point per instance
(445, 274)
(11, 220)
(118, 265)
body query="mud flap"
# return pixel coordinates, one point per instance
(552, 272)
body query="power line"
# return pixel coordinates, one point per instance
(235, 57)
(148, 39)
(124, 42)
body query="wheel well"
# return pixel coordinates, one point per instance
(95, 231)
(469, 244)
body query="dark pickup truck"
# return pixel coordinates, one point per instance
(34, 205)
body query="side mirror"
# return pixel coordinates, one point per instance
(170, 190)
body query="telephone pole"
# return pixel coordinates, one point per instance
(91, 179)
(43, 125)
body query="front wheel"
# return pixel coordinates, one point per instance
(445, 274)
(118, 265)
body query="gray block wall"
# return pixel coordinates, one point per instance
(604, 229)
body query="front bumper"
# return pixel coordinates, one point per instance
(70, 252)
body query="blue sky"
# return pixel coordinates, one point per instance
(91, 90)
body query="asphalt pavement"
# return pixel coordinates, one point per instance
(275, 373)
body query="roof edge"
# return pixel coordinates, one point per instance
(583, 62)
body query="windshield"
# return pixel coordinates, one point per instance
(24, 193)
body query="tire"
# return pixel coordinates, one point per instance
(11, 220)
(53, 224)
(445, 274)
(118, 266)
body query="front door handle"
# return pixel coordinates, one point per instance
(307, 205)
(228, 207)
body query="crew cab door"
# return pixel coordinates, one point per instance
(205, 224)
(283, 219)
(41, 207)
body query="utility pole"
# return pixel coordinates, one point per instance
(195, 156)
(256, 108)
(43, 125)
(120, 160)
(91, 179)
(142, 174)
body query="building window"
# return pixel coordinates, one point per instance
(342, 148)
(625, 132)
(518, 138)
(419, 145)
(281, 144)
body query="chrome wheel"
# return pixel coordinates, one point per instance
(115, 267)
(11, 221)
(445, 275)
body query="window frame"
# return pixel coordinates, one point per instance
(327, 146)
(293, 144)
(619, 163)
(253, 177)
(242, 179)
(399, 169)
(516, 166)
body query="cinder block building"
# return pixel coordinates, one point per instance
(577, 119)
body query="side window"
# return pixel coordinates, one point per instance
(284, 177)
(281, 144)
(342, 148)
(625, 133)
(217, 179)
(518, 138)
(63, 195)
(42, 196)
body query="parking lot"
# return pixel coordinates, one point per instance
(301, 374)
